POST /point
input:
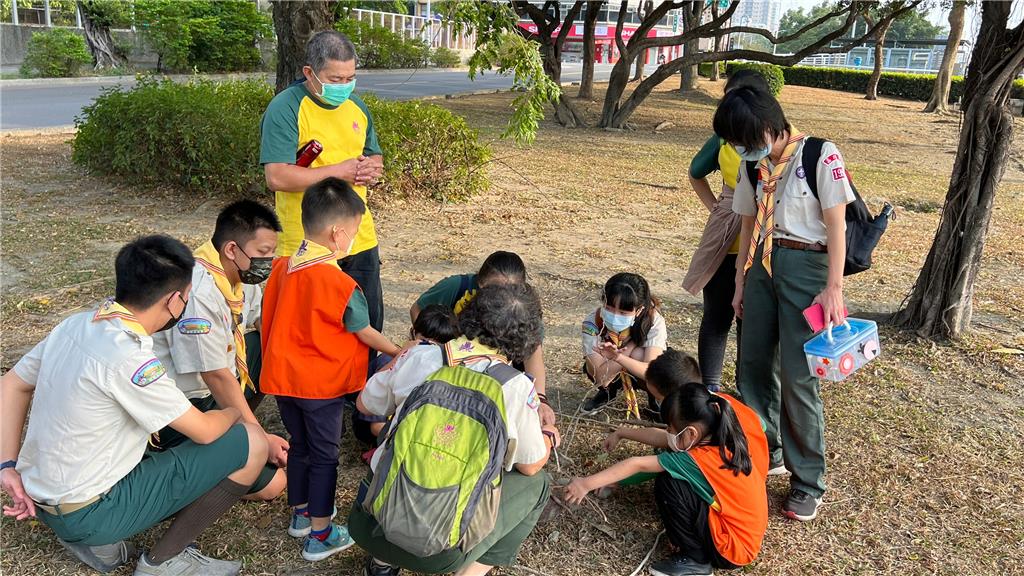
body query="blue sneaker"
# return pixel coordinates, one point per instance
(313, 549)
(300, 525)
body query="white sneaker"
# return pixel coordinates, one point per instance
(779, 470)
(189, 562)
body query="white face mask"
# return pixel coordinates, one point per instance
(673, 441)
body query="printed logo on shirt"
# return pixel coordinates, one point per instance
(838, 173)
(148, 373)
(355, 127)
(831, 158)
(533, 400)
(801, 173)
(194, 326)
(589, 328)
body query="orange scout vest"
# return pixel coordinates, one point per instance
(739, 521)
(307, 353)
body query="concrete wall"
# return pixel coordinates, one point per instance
(14, 43)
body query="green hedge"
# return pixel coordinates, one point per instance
(204, 136)
(704, 69)
(772, 73)
(898, 84)
(55, 53)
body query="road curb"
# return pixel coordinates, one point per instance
(87, 80)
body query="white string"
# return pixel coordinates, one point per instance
(649, 554)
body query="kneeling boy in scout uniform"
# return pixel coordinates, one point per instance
(206, 353)
(99, 393)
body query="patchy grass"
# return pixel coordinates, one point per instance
(925, 457)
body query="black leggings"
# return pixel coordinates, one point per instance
(717, 320)
(685, 517)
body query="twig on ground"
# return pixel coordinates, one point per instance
(652, 185)
(649, 554)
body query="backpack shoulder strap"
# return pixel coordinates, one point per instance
(502, 372)
(809, 157)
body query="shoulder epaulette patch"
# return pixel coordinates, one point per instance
(589, 328)
(148, 373)
(194, 326)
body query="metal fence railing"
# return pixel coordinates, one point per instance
(436, 32)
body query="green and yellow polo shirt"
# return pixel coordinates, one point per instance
(293, 118)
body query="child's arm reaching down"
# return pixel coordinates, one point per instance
(651, 436)
(578, 489)
(374, 339)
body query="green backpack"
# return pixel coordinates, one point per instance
(437, 485)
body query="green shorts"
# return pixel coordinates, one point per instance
(159, 486)
(523, 498)
(169, 438)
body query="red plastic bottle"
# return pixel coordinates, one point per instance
(305, 156)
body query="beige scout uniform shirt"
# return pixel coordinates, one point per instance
(99, 393)
(387, 390)
(798, 214)
(202, 341)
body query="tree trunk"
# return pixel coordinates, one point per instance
(638, 67)
(691, 20)
(295, 22)
(872, 90)
(939, 101)
(589, 27)
(715, 74)
(940, 304)
(105, 54)
(565, 112)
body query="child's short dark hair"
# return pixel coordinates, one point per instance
(438, 323)
(744, 115)
(671, 370)
(240, 220)
(150, 267)
(507, 317)
(507, 265)
(328, 201)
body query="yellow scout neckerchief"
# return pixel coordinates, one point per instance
(310, 254)
(209, 258)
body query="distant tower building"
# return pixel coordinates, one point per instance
(759, 14)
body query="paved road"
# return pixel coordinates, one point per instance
(57, 103)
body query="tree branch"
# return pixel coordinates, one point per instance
(701, 31)
(618, 28)
(574, 12)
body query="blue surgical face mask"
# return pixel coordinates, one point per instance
(335, 94)
(616, 322)
(753, 155)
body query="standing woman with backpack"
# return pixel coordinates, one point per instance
(413, 512)
(793, 253)
(713, 266)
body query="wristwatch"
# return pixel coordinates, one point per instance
(8, 464)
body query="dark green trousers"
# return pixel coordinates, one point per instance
(784, 393)
(523, 498)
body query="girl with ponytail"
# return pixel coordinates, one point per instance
(710, 485)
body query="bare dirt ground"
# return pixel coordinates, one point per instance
(925, 450)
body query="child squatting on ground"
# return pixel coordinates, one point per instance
(710, 489)
(316, 336)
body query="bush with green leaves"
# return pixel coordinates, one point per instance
(207, 36)
(55, 53)
(378, 47)
(704, 69)
(898, 84)
(772, 73)
(428, 150)
(445, 58)
(204, 136)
